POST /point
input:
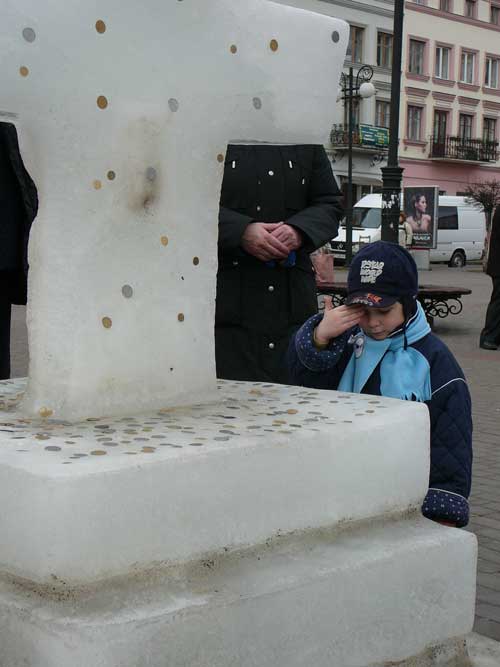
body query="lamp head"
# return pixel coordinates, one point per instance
(367, 89)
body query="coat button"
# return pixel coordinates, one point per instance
(235, 263)
(270, 288)
(271, 173)
(258, 208)
(271, 346)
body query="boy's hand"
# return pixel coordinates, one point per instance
(336, 321)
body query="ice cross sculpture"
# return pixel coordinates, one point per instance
(124, 110)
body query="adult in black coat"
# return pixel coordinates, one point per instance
(18, 208)
(490, 335)
(278, 204)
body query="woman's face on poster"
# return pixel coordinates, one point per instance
(421, 204)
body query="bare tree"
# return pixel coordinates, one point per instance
(485, 195)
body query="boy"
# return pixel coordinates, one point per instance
(380, 343)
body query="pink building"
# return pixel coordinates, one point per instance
(450, 111)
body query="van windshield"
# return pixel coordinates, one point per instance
(365, 218)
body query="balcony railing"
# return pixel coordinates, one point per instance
(460, 148)
(367, 137)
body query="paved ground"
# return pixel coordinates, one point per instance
(484, 652)
(482, 369)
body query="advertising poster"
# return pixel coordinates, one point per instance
(421, 210)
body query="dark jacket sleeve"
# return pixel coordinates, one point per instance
(310, 367)
(27, 187)
(451, 453)
(29, 197)
(319, 222)
(232, 226)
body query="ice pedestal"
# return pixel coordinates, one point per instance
(276, 526)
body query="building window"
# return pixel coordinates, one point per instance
(384, 49)
(417, 50)
(414, 130)
(470, 9)
(355, 46)
(382, 113)
(491, 73)
(465, 126)
(490, 129)
(495, 14)
(467, 63)
(440, 127)
(443, 58)
(445, 5)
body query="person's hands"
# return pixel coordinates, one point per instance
(258, 240)
(336, 321)
(288, 235)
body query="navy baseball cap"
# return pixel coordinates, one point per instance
(381, 273)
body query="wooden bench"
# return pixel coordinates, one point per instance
(437, 301)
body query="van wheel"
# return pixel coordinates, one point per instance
(457, 260)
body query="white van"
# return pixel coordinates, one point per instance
(461, 229)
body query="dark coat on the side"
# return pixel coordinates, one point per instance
(259, 306)
(493, 263)
(18, 208)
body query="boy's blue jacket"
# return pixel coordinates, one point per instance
(449, 410)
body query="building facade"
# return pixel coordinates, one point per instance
(370, 43)
(450, 105)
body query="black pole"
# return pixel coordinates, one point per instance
(392, 174)
(348, 212)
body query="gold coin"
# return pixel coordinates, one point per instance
(102, 102)
(100, 26)
(273, 45)
(233, 48)
(220, 157)
(111, 175)
(164, 240)
(196, 261)
(24, 71)
(180, 317)
(107, 322)
(97, 184)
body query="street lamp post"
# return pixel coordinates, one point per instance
(392, 174)
(350, 89)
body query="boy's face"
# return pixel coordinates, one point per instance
(378, 323)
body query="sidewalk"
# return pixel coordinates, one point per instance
(482, 368)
